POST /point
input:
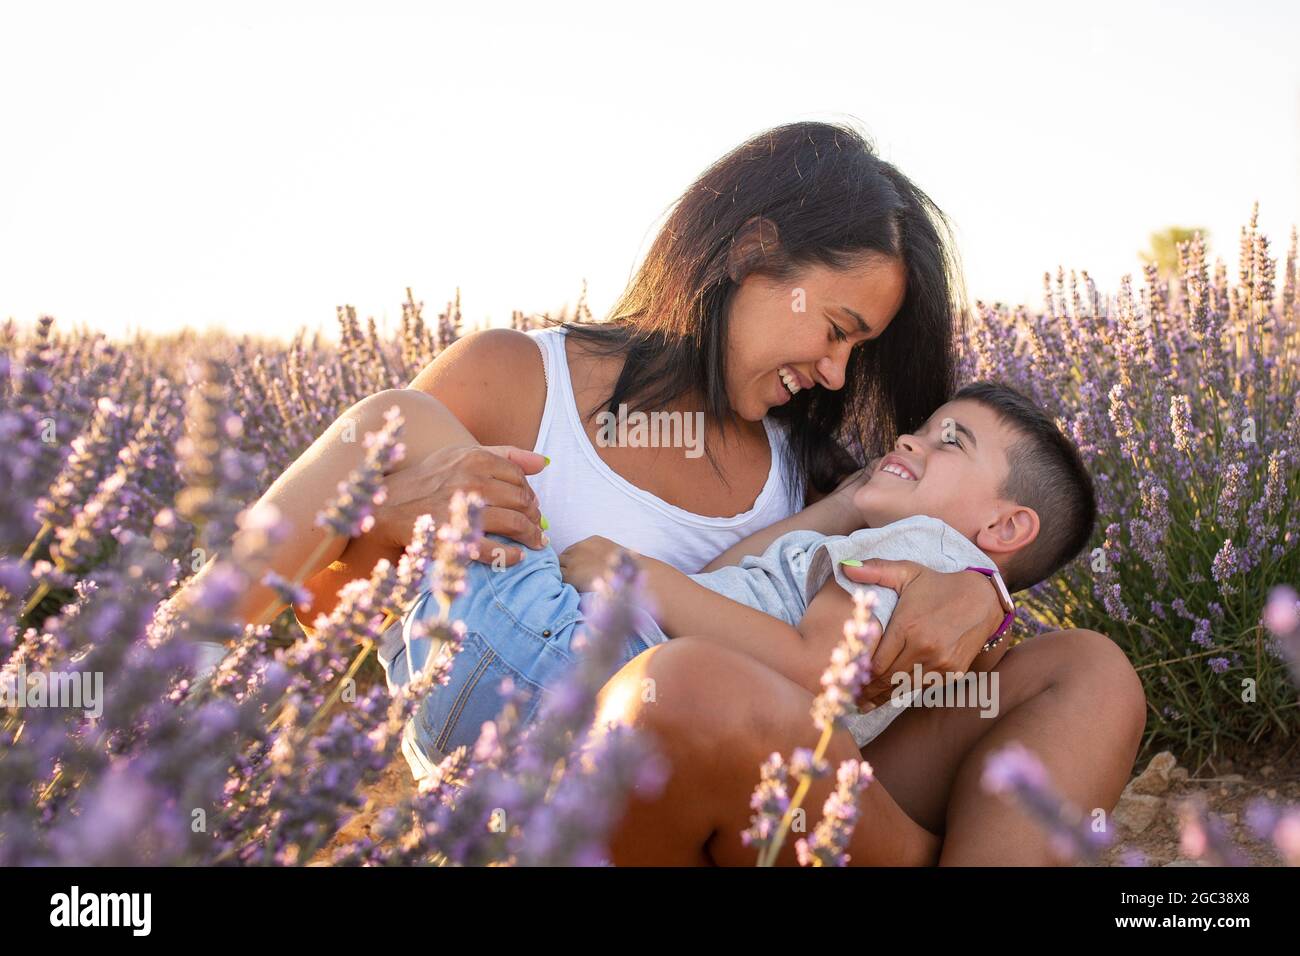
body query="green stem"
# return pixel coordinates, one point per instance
(805, 782)
(38, 541)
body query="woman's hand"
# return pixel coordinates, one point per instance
(497, 473)
(941, 622)
(856, 480)
(583, 563)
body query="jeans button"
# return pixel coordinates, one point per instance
(546, 633)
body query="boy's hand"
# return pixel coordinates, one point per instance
(582, 563)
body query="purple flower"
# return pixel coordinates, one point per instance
(850, 665)
(1204, 836)
(1226, 566)
(350, 513)
(1282, 617)
(1180, 423)
(829, 842)
(770, 801)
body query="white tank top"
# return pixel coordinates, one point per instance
(580, 495)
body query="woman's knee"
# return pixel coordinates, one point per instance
(1098, 666)
(663, 681)
(693, 690)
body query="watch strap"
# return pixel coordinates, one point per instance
(1004, 599)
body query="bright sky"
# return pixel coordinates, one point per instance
(252, 165)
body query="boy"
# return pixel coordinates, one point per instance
(987, 484)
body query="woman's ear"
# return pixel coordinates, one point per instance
(753, 245)
(1013, 529)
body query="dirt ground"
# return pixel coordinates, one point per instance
(1147, 814)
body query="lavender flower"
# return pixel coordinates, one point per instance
(1278, 825)
(850, 664)
(127, 469)
(829, 842)
(770, 801)
(350, 513)
(1282, 617)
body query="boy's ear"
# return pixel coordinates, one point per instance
(1012, 529)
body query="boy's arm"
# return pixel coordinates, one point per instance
(830, 514)
(684, 608)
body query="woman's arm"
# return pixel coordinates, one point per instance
(492, 382)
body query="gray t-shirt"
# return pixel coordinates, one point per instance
(783, 579)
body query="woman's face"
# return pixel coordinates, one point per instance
(792, 336)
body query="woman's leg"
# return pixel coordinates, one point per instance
(716, 715)
(1071, 697)
(312, 481)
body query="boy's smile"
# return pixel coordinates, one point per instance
(894, 464)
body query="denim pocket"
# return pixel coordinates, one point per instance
(453, 715)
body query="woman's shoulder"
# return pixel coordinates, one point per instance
(493, 381)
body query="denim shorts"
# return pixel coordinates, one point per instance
(520, 623)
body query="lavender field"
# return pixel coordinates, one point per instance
(128, 466)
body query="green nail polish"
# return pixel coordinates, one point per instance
(852, 562)
(548, 460)
(545, 524)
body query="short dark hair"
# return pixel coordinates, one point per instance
(1046, 473)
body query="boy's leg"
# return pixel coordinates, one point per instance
(716, 715)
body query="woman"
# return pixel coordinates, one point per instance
(800, 294)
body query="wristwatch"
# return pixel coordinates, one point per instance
(1004, 598)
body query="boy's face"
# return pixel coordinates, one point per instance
(951, 469)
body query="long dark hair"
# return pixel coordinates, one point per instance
(832, 200)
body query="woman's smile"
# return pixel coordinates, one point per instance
(792, 380)
(783, 394)
(789, 382)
